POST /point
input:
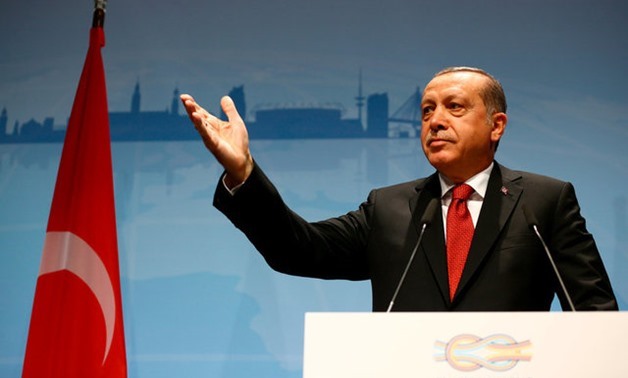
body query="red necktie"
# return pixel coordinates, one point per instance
(459, 234)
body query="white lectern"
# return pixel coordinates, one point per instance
(480, 344)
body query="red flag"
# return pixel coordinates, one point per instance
(76, 327)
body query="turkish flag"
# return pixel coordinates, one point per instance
(76, 327)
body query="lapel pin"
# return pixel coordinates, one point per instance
(504, 190)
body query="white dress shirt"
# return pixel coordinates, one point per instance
(479, 182)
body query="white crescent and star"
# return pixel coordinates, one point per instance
(66, 251)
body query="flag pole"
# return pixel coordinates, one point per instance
(100, 7)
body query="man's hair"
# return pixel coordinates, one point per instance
(492, 94)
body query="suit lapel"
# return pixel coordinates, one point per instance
(502, 194)
(433, 243)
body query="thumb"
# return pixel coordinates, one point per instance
(229, 108)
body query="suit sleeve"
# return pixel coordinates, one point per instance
(330, 249)
(577, 257)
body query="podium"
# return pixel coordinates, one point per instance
(471, 344)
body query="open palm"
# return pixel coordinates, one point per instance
(228, 140)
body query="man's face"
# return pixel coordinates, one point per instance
(456, 135)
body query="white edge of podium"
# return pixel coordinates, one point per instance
(471, 344)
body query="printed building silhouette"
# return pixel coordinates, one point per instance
(274, 122)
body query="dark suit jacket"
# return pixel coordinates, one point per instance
(506, 270)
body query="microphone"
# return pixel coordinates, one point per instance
(533, 223)
(426, 219)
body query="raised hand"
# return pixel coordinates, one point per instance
(227, 141)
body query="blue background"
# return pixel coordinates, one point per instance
(198, 300)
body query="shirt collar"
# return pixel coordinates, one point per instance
(479, 182)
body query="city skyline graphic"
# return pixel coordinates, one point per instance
(264, 121)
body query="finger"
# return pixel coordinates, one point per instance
(229, 108)
(204, 122)
(200, 117)
(188, 103)
(191, 107)
(184, 97)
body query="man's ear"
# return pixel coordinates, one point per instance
(499, 126)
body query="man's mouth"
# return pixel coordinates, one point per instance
(438, 141)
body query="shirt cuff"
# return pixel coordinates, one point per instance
(233, 190)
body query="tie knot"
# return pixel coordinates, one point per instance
(462, 192)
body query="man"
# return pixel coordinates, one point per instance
(478, 253)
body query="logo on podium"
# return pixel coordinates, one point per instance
(497, 352)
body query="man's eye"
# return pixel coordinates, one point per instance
(427, 110)
(455, 105)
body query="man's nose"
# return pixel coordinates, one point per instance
(438, 119)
